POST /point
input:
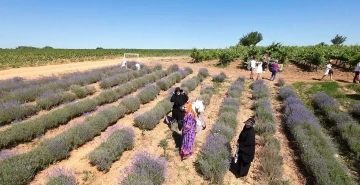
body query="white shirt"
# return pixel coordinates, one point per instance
(137, 65)
(357, 67)
(253, 64)
(328, 66)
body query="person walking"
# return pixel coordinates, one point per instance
(252, 67)
(259, 69)
(357, 71)
(274, 70)
(188, 132)
(138, 67)
(246, 147)
(179, 98)
(328, 71)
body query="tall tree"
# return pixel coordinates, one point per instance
(338, 39)
(250, 39)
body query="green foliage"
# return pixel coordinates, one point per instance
(250, 39)
(338, 39)
(31, 56)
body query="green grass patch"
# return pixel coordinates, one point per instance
(333, 89)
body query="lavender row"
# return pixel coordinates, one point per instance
(116, 141)
(121, 78)
(151, 118)
(28, 130)
(317, 152)
(31, 93)
(271, 161)
(206, 93)
(15, 111)
(215, 157)
(18, 82)
(265, 120)
(220, 77)
(145, 169)
(22, 168)
(59, 147)
(61, 176)
(344, 124)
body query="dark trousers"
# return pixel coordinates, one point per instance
(273, 75)
(356, 76)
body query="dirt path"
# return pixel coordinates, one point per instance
(291, 170)
(86, 173)
(184, 172)
(244, 114)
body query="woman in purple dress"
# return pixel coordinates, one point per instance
(188, 132)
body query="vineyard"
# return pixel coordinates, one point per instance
(25, 56)
(107, 125)
(313, 56)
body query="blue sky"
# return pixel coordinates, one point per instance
(174, 23)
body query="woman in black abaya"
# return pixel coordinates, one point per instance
(179, 99)
(246, 146)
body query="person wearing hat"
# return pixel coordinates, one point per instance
(179, 98)
(246, 147)
(274, 70)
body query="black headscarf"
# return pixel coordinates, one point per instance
(178, 100)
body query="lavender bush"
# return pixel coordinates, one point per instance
(215, 157)
(118, 79)
(191, 83)
(220, 77)
(286, 92)
(206, 94)
(145, 169)
(260, 90)
(189, 70)
(82, 92)
(157, 67)
(61, 176)
(132, 104)
(148, 93)
(13, 110)
(344, 124)
(270, 158)
(214, 160)
(50, 99)
(116, 143)
(204, 72)
(172, 68)
(20, 169)
(150, 119)
(356, 109)
(317, 152)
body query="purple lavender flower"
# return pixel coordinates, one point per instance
(61, 175)
(145, 167)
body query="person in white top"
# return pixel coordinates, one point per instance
(328, 71)
(252, 67)
(357, 71)
(124, 64)
(259, 69)
(137, 65)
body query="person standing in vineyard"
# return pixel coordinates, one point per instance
(328, 71)
(246, 147)
(188, 132)
(357, 71)
(252, 67)
(274, 70)
(259, 69)
(179, 98)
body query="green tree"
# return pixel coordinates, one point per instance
(338, 39)
(99, 48)
(250, 39)
(322, 44)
